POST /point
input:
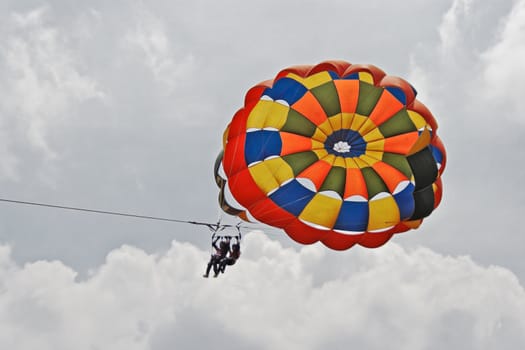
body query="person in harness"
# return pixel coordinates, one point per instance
(220, 252)
(233, 254)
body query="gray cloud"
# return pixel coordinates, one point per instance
(480, 214)
(121, 106)
(129, 101)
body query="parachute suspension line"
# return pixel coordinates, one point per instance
(219, 215)
(217, 227)
(239, 234)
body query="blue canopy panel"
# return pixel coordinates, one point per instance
(405, 202)
(261, 144)
(292, 197)
(286, 89)
(353, 217)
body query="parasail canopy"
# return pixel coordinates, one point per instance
(339, 153)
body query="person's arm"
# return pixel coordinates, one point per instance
(214, 243)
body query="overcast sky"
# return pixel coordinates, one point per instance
(120, 106)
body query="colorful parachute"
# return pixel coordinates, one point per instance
(339, 153)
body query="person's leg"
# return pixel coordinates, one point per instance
(227, 261)
(216, 269)
(211, 263)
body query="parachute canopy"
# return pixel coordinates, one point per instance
(337, 152)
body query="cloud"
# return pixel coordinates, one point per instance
(138, 98)
(481, 51)
(274, 297)
(503, 74)
(470, 80)
(41, 80)
(449, 30)
(464, 34)
(150, 37)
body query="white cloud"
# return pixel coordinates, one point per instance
(479, 54)
(273, 298)
(153, 104)
(450, 28)
(41, 79)
(150, 37)
(503, 63)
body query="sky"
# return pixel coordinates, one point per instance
(121, 105)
